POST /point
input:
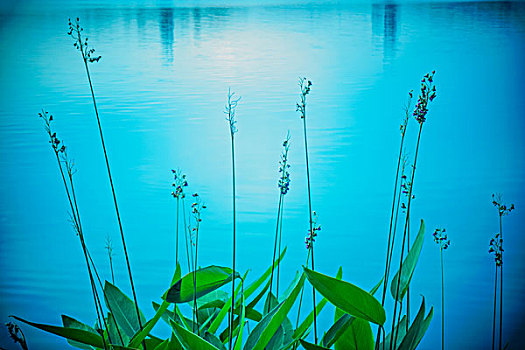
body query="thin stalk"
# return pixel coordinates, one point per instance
(501, 285)
(391, 233)
(279, 249)
(275, 243)
(195, 315)
(85, 59)
(405, 231)
(408, 287)
(442, 303)
(302, 292)
(233, 253)
(495, 304)
(187, 238)
(177, 235)
(310, 214)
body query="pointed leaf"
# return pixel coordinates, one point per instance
(417, 329)
(208, 279)
(408, 266)
(401, 329)
(70, 322)
(191, 340)
(140, 336)
(123, 308)
(279, 316)
(358, 335)
(310, 346)
(348, 297)
(78, 335)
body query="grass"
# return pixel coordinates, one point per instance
(231, 107)
(87, 53)
(441, 239)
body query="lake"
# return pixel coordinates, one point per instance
(161, 88)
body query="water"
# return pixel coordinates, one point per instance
(161, 87)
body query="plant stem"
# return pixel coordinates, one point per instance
(187, 238)
(501, 285)
(442, 303)
(177, 235)
(195, 316)
(275, 243)
(233, 252)
(112, 187)
(279, 248)
(310, 214)
(495, 308)
(302, 292)
(405, 232)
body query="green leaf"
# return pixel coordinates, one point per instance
(342, 320)
(169, 344)
(238, 341)
(123, 309)
(401, 329)
(348, 297)
(118, 337)
(408, 266)
(310, 346)
(70, 322)
(301, 330)
(214, 340)
(418, 329)
(255, 285)
(270, 303)
(358, 335)
(137, 339)
(257, 331)
(279, 316)
(75, 334)
(208, 279)
(190, 340)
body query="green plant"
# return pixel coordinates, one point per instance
(305, 86)
(87, 53)
(496, 247)
(109, 249)
(441, 238)
(231, 108)
(284, 186)
(427, 95)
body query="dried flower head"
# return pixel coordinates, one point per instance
(179, 182)
(404, 124)
(75, 31)
(426, 95)
(497, 201)
(310, 237)
(196, 210)
(441, 238)
(231, 107)
(16, 334)
(284, 180)
(496, 247)
(305, 85)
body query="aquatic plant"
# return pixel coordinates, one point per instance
(441, 239)
(179, 182)
(284, 186)
(87, 53)
(427, 94)
(231, 107)
(305, 86)
(196, 210)
(496, 247)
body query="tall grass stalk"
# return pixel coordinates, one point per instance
(395, 208)
(75, 31)
(283, 184)
(496, 247)
(427, 94)
(61, 156)
(305, 86)
(179, 182)
(196, 210)
(231, 107)
(441, 239)
(503, 210)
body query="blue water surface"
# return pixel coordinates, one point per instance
(161, 87)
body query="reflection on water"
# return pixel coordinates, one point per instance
(161, 87)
